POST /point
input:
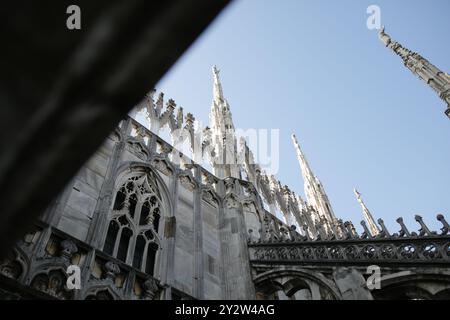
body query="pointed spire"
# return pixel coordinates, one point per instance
(438, 80)
(223, 134)
(394, 45)
(304, 166)
(314, 191)
(367, 215)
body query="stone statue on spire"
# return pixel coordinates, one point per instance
(218, 93)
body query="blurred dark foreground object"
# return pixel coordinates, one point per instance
(63, 91)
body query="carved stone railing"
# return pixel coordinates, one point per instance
(419, 250)
(423, 248)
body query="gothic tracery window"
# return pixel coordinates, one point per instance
(132, 235)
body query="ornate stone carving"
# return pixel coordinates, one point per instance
(445, 226)
(151, 288)
(384, 231)
(408, 248)
(229, 185)
(138, 148)
(53, 284)
(187, 181)
(232, 203)
(209, 196)
(111, 269)
(423, 227)
(163, 166)
(404, 230)
(11, 268)
(68, 249)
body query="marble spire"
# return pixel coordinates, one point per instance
(438, 80)
(314, 190)
(223, 134)
(367, 215)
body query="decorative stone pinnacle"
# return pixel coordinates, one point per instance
(384, 231)
(422, 68)
(374, 231)
(366, 233)
(445, 226)
(423, 231)
(404, 230)
(171, 105)
(190, 117)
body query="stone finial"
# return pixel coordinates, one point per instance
(190, 119)
(305, 229)
(423, 231)
(293, 232)
(348, 230)
(404, 230)
(179, 118)
(160, 100)
(217, 89)
(151, 102)
(150, 109)
(321, 229)
(445, 226)
(386, 39)
(384, 231)
(353, 229)
(171, 105)
(342, 228)
(215, 70)
(366, 233)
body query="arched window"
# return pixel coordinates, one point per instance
(113, 229)
(132, 234)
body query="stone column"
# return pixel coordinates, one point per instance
(233, 238)
(167, 261)
(198, 238)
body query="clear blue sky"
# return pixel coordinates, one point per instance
(313, 68)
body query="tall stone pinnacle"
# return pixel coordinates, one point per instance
(367, 215)
(223, 134)
(314, 190)
(438, 80)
